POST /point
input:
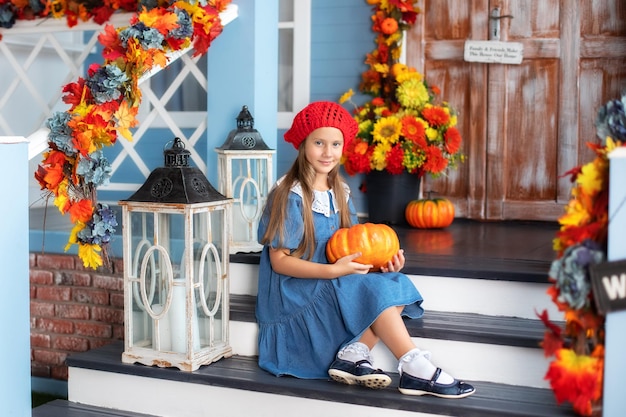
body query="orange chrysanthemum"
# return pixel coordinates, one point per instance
(435, 161)
(414, 131)
(452, 139)
(436, 116)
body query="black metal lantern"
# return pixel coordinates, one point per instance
(176, 261)
(245, 137)
(246, 173)
(177, 182)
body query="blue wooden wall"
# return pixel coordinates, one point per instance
(341, 36)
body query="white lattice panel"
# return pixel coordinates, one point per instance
(37, 58)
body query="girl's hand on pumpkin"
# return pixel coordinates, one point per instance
(396, 263)
(346, 265)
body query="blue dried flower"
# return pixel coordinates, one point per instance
(7, 15)
(149, 38)
(60, 134)
(611, 120)
(571, 272)
(95, 168)
(185, 27)
(148, 4)
(36, 5)
(101, 226)
(105, 83)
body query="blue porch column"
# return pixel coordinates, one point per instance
(614, 402)
(15, 295)
(243, 70)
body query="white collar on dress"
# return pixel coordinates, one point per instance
(321, 199)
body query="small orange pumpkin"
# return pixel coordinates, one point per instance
(378, 243)
(430, 213)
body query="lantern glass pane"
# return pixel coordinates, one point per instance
(158, 284)
(209, 272)
(249, 190)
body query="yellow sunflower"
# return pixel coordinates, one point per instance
(387, 130)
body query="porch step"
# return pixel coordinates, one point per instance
(462, 327)
(502, 349)
(236, 386)
(64, 408)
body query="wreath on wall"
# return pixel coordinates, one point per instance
(104, 105)
(576, 371)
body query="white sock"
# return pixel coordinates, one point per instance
(417, 363)
(355, 352)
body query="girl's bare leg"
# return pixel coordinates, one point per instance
(390, 328)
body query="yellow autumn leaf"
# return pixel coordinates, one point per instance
(346, 96)
(125, 117)
(589, 179)
(610, 144)
(62, 200)
(157, 19)
(159, 58)
(575, 214)
(89, 254)
(73, 239)
(381, 68)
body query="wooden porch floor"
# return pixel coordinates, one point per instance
(509, 250)
(506, 250)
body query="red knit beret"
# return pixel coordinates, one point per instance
(321, 114)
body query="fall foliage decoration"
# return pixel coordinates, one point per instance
(576, 371)
(378, 243)
(430, 213)
(402, 128)
(104, 105)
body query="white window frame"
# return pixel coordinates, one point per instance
(301, 26)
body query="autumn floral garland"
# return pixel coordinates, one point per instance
(104, 105)
(576, 373)
(402, 128)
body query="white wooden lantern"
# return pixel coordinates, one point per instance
(176, 260)
(246, 173)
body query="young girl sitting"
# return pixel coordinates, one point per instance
(318, 319)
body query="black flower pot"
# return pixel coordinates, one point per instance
(388, 195)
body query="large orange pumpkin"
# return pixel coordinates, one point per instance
(430, 213)
(376, 242)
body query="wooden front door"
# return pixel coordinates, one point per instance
(523, 125)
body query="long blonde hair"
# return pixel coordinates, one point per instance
(301, 171)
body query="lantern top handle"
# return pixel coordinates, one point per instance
(177, 155)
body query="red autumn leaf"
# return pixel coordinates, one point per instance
(550, 344)
(72, 18)
(111, 43)
(556, 330)
(102, 14)
(175, 43)
(220, 5)
(76, 92)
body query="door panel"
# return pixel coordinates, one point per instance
(523, 125)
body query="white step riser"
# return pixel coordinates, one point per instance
(464, 360)
(166, 399)
(461, 295)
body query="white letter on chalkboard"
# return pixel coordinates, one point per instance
(615, 286)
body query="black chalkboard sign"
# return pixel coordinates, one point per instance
(608, 280)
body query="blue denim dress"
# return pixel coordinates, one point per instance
(304, 322)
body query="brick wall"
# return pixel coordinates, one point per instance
(72, 309)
